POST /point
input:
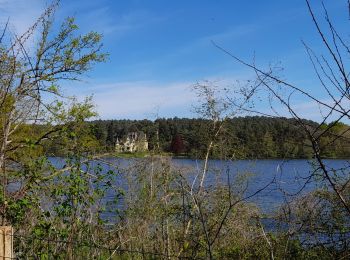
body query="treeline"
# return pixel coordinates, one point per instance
(243, 137)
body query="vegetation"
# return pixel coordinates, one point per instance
(250, 137)
(83, 205)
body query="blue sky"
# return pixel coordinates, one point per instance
(159, 49)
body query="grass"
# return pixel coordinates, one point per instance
(146, 154)
(132, 155)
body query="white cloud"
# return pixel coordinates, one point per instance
(317, 111)
(306, 109)
(111, 23)
(131, 21)
(21, 13)
(143, 99)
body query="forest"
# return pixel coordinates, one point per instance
(249, 137)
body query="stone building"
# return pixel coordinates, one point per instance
(132, 142)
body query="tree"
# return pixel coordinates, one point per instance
(43, 198)
(33, 108)
(329, 205)
(177, 145)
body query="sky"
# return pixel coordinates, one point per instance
(159, 49)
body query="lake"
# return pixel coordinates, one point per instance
(286, 177)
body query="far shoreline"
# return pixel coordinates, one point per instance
(140, 155)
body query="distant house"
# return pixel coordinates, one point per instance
(132, 142)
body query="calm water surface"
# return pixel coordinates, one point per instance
(284, 178)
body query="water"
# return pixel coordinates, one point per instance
(278, 180)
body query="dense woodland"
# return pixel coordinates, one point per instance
(249, 137)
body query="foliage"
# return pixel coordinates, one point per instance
(151, 207)
(177, 145)
(248, 137)
(39, 199)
